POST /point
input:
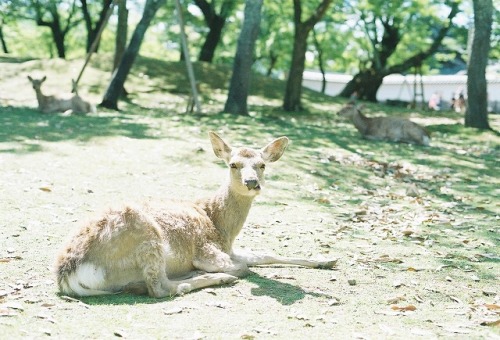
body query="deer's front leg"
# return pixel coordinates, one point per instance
(255, 259)
(213, 260)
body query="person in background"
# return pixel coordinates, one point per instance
(435, 102)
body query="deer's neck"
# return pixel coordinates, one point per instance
(40, 97)
(228, 211)
(361, 122)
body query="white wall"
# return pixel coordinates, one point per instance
(399, 87)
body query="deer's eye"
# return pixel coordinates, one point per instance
(262, 166)
(233, 166)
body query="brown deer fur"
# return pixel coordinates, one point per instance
(385, 128)
(160, 248)
(52, 104)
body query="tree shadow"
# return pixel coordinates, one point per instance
(116, 299)
(284, 293)
(26, 126)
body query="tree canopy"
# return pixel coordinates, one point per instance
(369, 39)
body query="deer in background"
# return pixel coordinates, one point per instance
(52, 104)
(394, 129)
(159, 249)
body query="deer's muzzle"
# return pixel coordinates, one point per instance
(252, 184)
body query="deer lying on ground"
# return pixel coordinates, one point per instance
(52, 104)
(160, 249)
(385, 128)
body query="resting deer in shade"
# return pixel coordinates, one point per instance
(53, 104)
(394, 129)
(159, 249)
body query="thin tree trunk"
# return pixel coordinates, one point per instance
(240, 81)
(293, 90)
(93, 31)
(212, 40)
(115, 87)
(321, 66)
(58, 36)
(477, 109)
(2, 40)
(121, 33)
(273, 59)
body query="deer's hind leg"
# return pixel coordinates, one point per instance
(149, 252)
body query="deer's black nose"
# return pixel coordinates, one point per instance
(252, 184)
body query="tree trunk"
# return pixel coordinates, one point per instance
(58, 36)
(115, 87)
(293, 90)
(121, 33)
(477, 109)
(212, 40)
(2, 40)
(321, 65)
(240, 80)
(273, 59)
(364, 85)
(93, 31)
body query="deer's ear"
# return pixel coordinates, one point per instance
(274, 150)
(44, 78)
(30, 79)
(221, 148)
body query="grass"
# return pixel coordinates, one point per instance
(333, 195)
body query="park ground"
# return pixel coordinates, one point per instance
(415, 229)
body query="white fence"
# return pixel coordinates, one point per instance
(398, 87)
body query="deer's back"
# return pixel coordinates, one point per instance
(112, 242)
(56, 104)
(396, 129)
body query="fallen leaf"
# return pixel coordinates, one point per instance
(491, 323)
(7, 312)
(404, 309)
(475, 278)
(13, 305)
(175, 310)
(485, 292)
(394, 300)
(333, 302)
(48, 305)
(407, 232)
(219, 304)
(46, 189)
(119, 333)
(397, 284)
(491, 306)
(455, 299)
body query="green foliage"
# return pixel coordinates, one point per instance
(348, 34)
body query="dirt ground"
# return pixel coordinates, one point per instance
(416, 240)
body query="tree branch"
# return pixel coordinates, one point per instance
(420, 57)
(318, 14)
(207, 10)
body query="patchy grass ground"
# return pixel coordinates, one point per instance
(415, 229)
